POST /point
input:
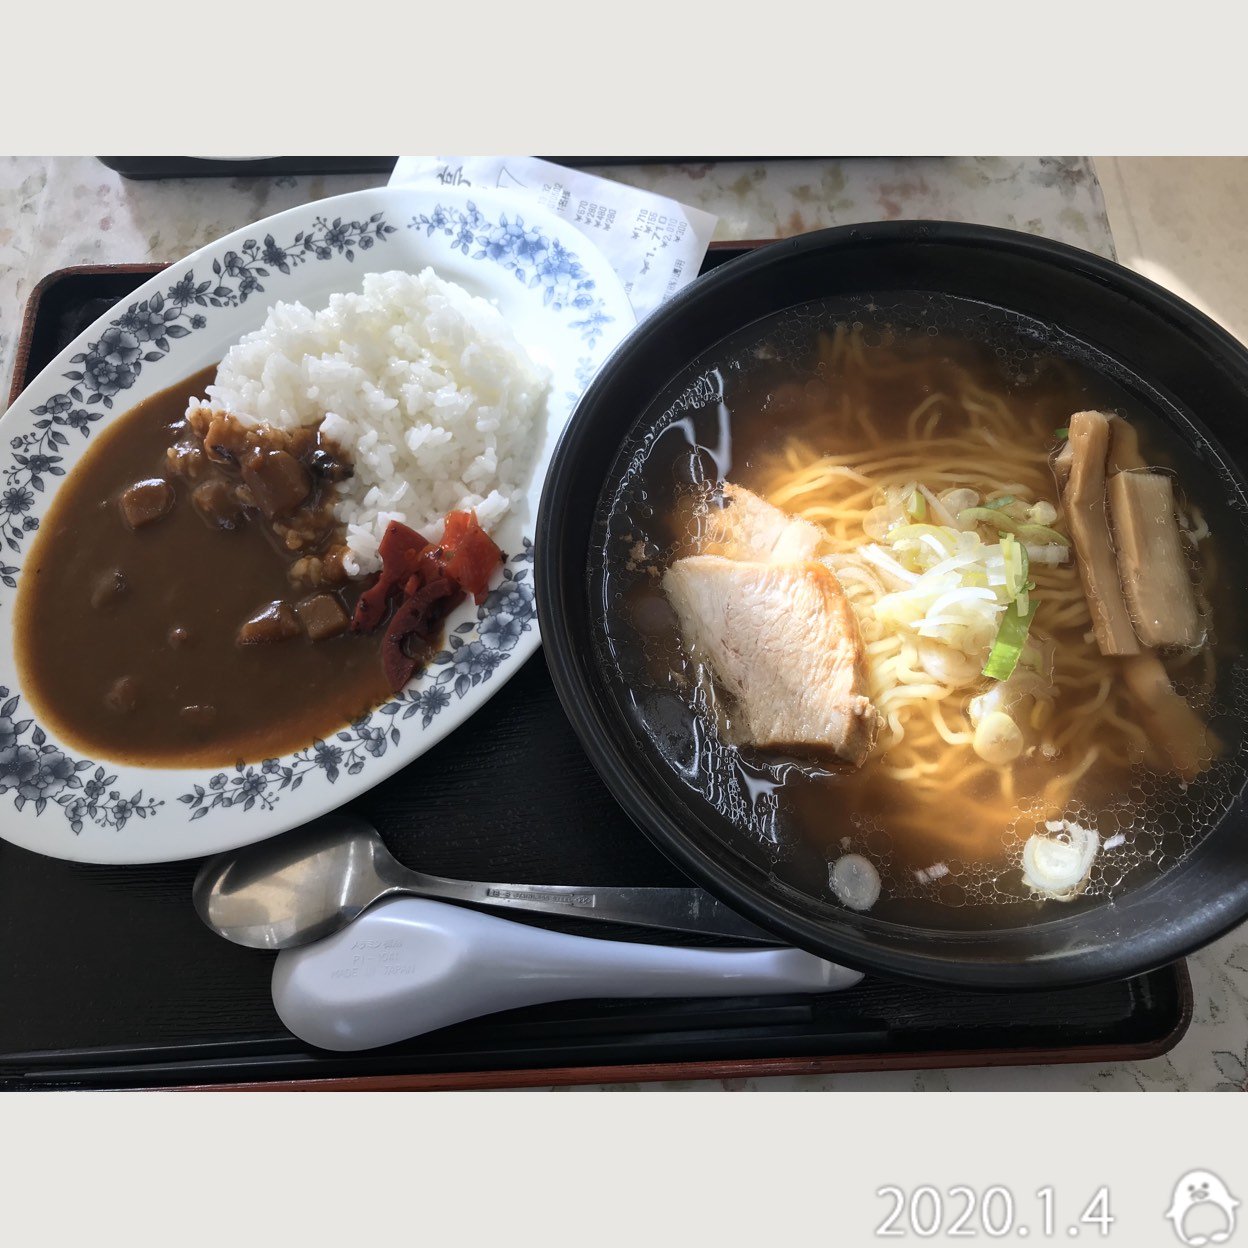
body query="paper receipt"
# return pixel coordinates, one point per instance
(655, 244)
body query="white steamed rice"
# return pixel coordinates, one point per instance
(422, 383)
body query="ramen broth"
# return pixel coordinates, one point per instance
(810, 409)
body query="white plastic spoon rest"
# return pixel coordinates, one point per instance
(410, 966)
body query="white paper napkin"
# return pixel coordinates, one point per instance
(655, 244)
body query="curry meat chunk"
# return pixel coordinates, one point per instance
(276, 481)
(322, 616)
(283, 478)
(273, 622)
(218, 502)
(146, 501)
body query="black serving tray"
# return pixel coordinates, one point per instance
(146, 168)
(108, 980)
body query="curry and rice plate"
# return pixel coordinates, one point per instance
(262, 553)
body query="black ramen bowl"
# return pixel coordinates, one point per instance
(1182, 364)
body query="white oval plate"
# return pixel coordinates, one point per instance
(565, 304)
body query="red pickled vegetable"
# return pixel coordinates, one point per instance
(424, 582)
(400, 548)
(419, 617)
(371, 606)
(466, 555)
(471, 556)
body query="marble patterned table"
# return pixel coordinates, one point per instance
(64, 211)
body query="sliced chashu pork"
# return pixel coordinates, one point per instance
(783, 642)
(749, 527)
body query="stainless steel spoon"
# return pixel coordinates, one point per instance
(308, 884)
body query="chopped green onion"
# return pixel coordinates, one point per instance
(1062, 434)
(1004, 501)
(1009, 553)
(997, 518)
(917, 506)
(909, 532)
(1036, 534)
(976, 515)
(1014, 556)
(1041, 535)
(1011, 636)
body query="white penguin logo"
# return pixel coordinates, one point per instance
(1200, 1187)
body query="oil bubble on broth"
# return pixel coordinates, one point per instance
(918, 376)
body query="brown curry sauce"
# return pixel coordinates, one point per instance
(127, 638)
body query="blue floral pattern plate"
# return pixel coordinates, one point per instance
(566, 305)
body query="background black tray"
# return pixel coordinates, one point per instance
(107, 978)
(148, 167)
